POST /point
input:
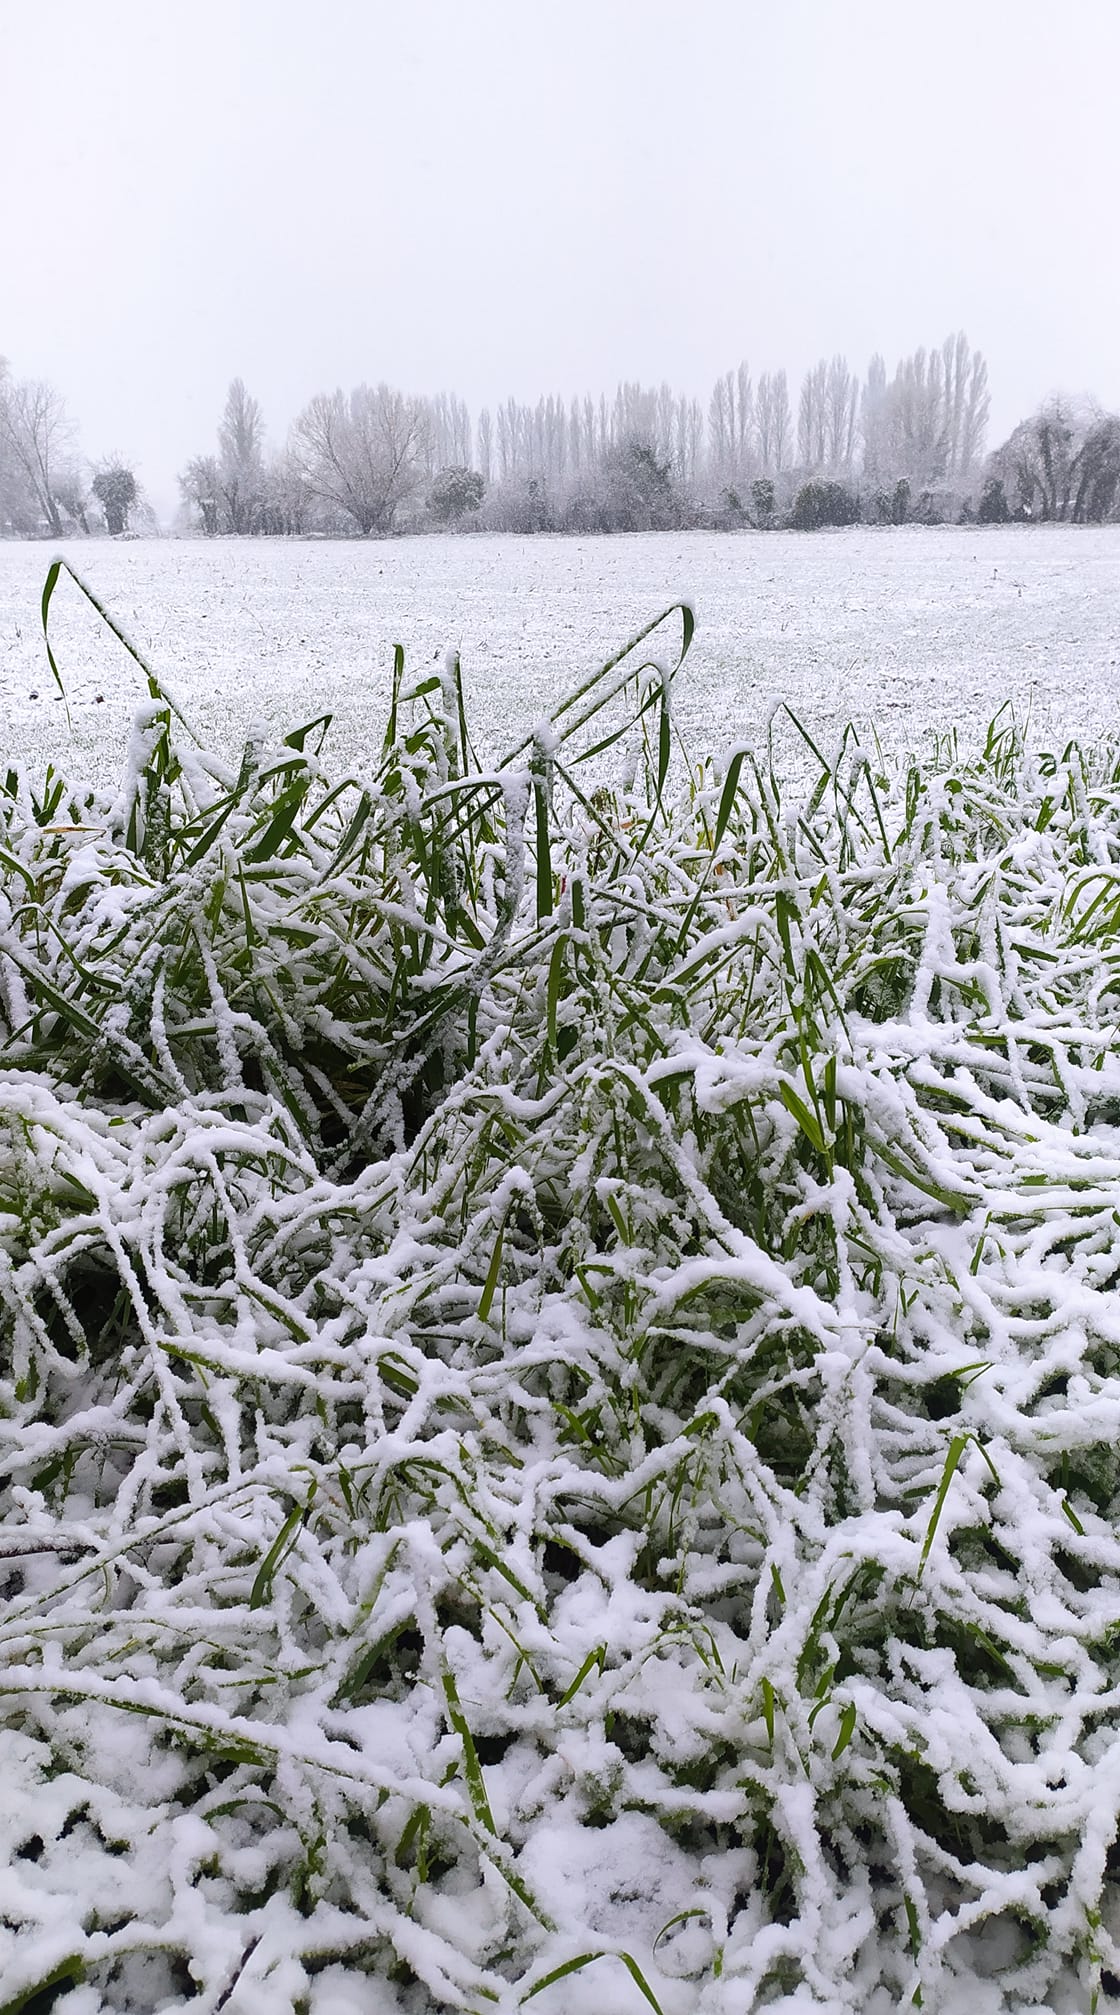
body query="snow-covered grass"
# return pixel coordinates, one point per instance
(560, 1372)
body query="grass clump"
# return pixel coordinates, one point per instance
(558, 1368)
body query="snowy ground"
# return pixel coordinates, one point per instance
(913, 629)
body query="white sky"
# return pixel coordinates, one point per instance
(517, 196)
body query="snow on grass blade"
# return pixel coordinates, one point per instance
(498, 1283)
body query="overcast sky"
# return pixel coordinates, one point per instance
(515, 196)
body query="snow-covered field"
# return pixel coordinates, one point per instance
(912, 629)
(559, 1369)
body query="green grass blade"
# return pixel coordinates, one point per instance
(544, 850)
(956, 1449)
(261, 1592)
(472, 1769)
(493, 1273)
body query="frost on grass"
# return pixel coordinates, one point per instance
(560, 1405)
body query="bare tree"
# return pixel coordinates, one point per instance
(592, 446)
(730, 426)
(772, 422)
(744, 420)
(72, 495)
(665, 432)
(485, 445)
(363, 452)
(926, 425)
(240, 460)
(38, 441)
(548, 437)
(287, 506)
(19, 511)
(509, 440)
(634, 415)
(449, 432)
(782, 419)
(688, 447)
(841, 407)
(812, 418)
(954, 379)
(917, 443)
(576, 446)
(764, 423)
(974, 420)
(875, 423)
(200, 487)
(721, 427)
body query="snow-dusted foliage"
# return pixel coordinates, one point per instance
(560, 1405)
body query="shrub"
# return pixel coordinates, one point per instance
(455, 494)
(115, 488)
(818, 504)
(993, 508)
(764, 502)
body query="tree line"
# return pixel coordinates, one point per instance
(890, 447)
